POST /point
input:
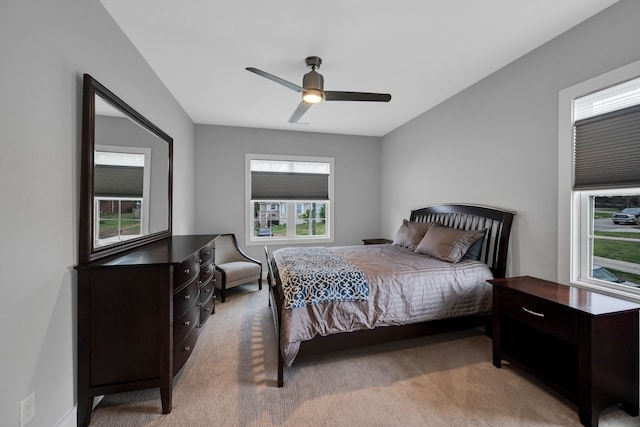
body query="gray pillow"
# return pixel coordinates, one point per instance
(410, 234)
(475, 251)
(447, 244)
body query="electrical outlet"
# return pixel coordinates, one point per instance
(28, 409)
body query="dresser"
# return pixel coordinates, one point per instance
(582, 344)
(139, 316)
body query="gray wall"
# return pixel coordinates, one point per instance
(496, 143)
(438, 157)
(220, 180)
(46, 47)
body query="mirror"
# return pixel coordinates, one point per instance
(126, 181)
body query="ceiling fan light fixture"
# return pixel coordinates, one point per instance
(313, 92)
(312, 96)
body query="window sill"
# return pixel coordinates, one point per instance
(613, 290)
(288, 242)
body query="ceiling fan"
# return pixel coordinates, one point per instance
(313, 89)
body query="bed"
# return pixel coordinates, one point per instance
(431, 279)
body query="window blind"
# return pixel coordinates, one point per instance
(622, 95)
(289, 186)
(118, 181)
(607, 150)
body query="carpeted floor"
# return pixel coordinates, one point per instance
(443, 380)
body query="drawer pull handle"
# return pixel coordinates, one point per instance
(199, 282)
(187, 323)
(206, 291)
(207, 253)
(207, 272)
(207, 309)
(187, 271)
(187, 296)
(187, 348)
(533, 312)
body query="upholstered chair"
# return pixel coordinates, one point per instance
(233, 266)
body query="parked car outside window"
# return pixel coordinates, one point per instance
(627, 216)
(265, 232)
(602, 273)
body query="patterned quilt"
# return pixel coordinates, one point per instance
(317, 275)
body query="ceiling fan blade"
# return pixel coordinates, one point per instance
(276, 79)
(331, 95)
(300, 110)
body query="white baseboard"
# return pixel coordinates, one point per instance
(69, 420)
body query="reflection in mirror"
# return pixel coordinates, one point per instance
(126, 176)
(130, 185)
(120, 188)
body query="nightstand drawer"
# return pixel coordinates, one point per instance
(539, 314)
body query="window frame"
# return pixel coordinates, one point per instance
(146, 190)
(574, 212)
(587, 237)
(251, 240)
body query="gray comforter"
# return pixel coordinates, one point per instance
(404, 287)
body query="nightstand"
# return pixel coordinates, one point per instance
(582, 344)
(376, 241)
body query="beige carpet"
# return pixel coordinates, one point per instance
(444, 380)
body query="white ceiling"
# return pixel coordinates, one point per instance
(420, 51)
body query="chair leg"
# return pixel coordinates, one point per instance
(260, 283)
(222, 289)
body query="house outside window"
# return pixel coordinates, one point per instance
(604, 230)
(289, 199)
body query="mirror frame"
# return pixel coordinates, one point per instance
(87, 252)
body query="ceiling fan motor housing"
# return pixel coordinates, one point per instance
(313, 80)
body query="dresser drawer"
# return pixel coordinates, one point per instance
(206, 253)
(542, 315)
(206, 291)
(183, 325)
(183, 349)
(185, 298)
(186, 271)
(206, 273)
(207, 309)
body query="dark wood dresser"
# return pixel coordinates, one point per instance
(581, 343)
(139, 314)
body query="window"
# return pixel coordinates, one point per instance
(610, 238)
(121, 188)
(289, 199)
(599, 241)
(117, 219)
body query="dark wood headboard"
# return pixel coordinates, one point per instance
(496, 221)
